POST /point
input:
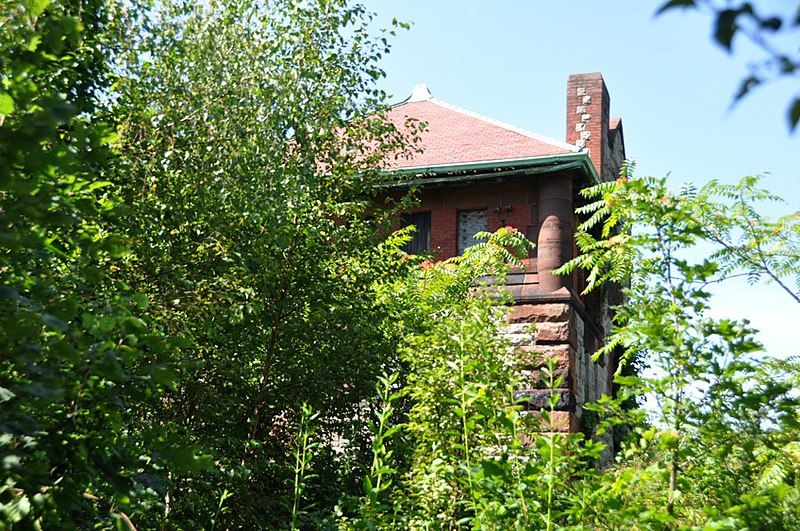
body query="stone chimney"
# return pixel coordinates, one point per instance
(588, 106)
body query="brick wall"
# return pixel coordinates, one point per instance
(444, 225)
(511, 203)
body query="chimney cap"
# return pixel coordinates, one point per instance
(420, 93)
(587, 76)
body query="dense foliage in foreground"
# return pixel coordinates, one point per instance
(199, 296)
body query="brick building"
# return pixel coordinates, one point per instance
(477, 174)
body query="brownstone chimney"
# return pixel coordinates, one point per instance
(588, 106)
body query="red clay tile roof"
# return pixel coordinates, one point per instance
(455, 135)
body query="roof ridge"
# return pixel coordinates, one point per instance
(419, 93)
(519, 130)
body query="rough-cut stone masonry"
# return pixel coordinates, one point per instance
(542, 332)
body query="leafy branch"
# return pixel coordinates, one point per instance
(765, 31)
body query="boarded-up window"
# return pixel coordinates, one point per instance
(421, 242)
(470, 222)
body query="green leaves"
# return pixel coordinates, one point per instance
(726, 28)
(36, 7)
(167, 304)
(767, 32)
(673, 4)
(382, 432)
(638, 215)
(76, 391)
(463, 433)
(115, 246)
(185, 459)
(304, 454)
(6, 104)
(703, 373)
(249, 137)
(794, 114)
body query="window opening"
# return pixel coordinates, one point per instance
(421, 241)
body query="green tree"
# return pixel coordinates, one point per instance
(720, 450)
(459, 381)
(76, 368)
(189, 253)
(193, 261)
(251, 139)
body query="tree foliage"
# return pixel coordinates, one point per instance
(187, 254)
(718, 406)
(251, 137)
(77, 364)
(465, 453)
(772, 33)
(727, 217)
(715, 448)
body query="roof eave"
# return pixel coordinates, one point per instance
(451, 172)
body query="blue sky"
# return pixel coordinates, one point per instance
(668, 81)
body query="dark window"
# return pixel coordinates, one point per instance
(421, 242)
(470, 222)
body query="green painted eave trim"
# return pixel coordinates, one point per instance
(455, 173)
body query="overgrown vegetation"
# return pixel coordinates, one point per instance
(208, 323)
(721, 413)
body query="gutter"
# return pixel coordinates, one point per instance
(446, 173)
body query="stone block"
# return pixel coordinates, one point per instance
(560, 421)
(519, 328)
(540, 313)
(538, 399)
(553, 332)
(536, 379)
(519, 340)
(536, 356)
